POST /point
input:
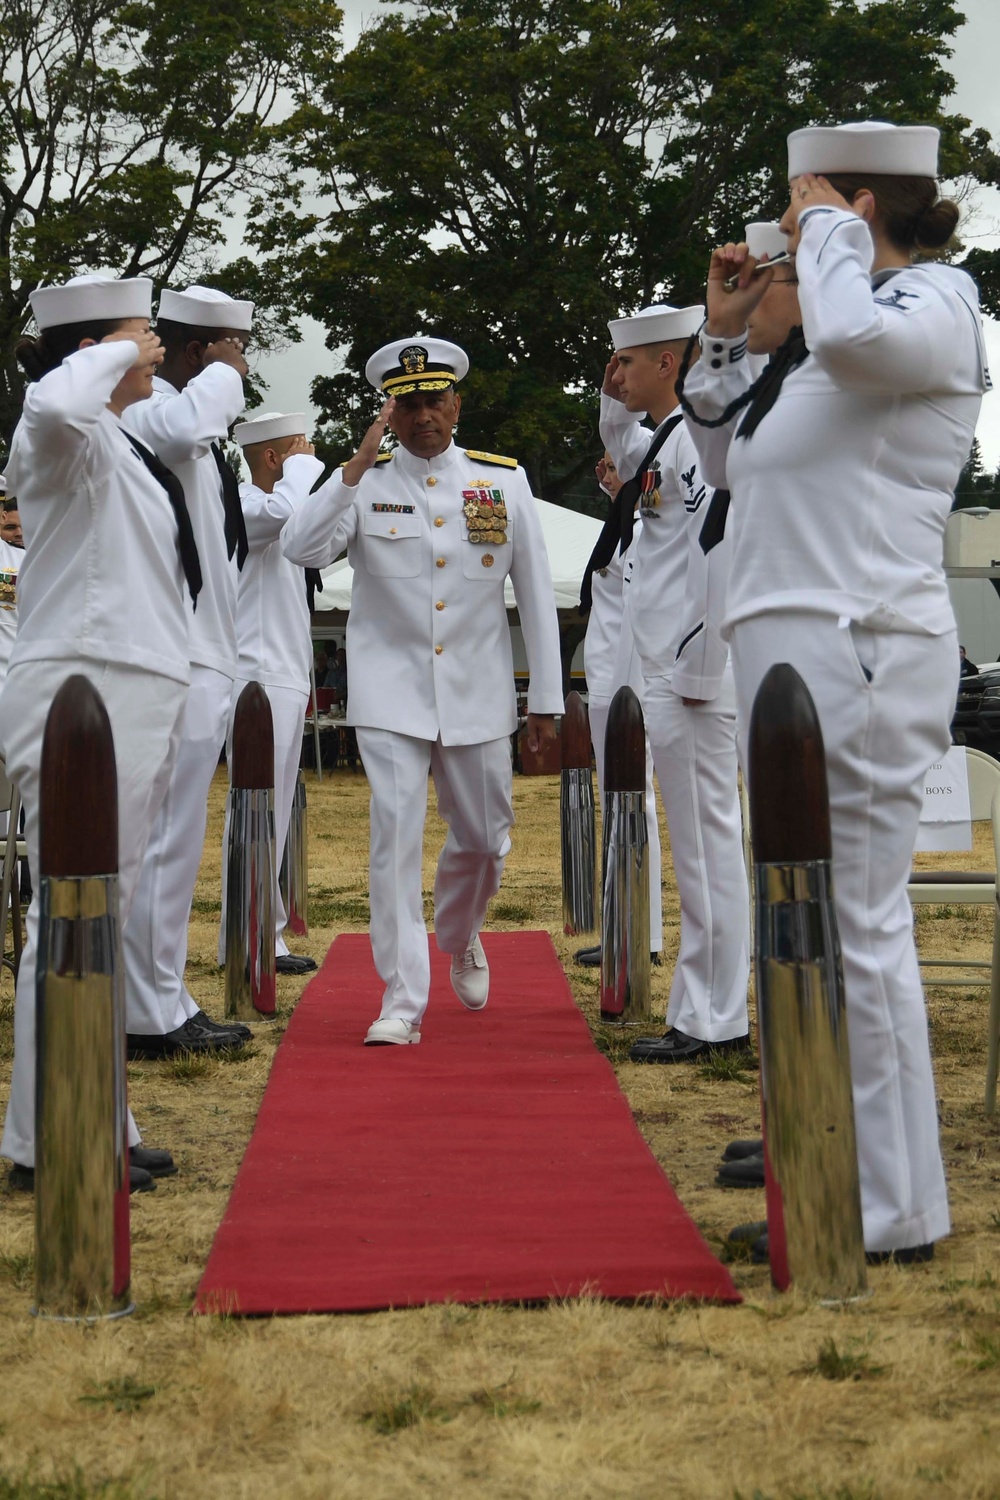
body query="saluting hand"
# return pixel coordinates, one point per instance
(150, 355)
(300, 444)
(366, 455)
(728, 311)
(810, 190)
(227, 351)
(609, 388)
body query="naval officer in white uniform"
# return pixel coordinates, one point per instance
(196, 398)
(675, 596)
(272, 621)
(842, 472)
(432, 532)
(109, 563)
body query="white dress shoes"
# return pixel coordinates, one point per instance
(391, 1033)
(470, 976)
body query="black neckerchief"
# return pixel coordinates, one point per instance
(314, 585)
(620, 524)
(760, 396)
(236, 531)
(714, 525)
(186, 544)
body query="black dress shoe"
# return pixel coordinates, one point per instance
(737, 1150)
(22, 1179)
(155, 1163)
(745, 1234)
(748, 1172)
(911, 1255)
(589, 957)
(292, 963)
(676, 1046)
(221, 1028)
(191, 1037)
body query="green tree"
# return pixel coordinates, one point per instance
(513, 173)
(975, 486)
(129, 132)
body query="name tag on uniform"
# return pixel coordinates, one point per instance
(392, 510)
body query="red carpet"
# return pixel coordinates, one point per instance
(495, 1162)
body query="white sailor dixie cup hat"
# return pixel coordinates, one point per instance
(204, 307)
(416, 364)
(764, 239)
(91, 299)
(269, 426)
(660, 324)
(866, 146)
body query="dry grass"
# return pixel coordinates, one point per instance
(893, 1400)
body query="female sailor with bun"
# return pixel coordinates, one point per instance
(842, 463)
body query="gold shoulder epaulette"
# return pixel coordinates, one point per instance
(383, 458)
(491, 458)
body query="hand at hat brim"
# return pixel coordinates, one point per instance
(368, 449)
(609, 388)
(811, 190)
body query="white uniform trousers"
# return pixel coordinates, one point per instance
(145, 712)
(880, 737)
(288, 712)
(597, 711)
(473, 784)
(156, 1001)
(694, 750)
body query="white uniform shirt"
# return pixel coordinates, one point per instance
(10, 562)
(840, 496)
(101, 578)
(427, 638)
(180, 427)
(674, 595)
(272, 610)
(609, 655)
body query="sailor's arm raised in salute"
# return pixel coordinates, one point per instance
(266, 513)
(321, 528)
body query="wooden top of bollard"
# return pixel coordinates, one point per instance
(625, 744)
(574, 735)
(78, 792)
(789, 805)
(253, 740)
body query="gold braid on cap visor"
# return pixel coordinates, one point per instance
(429, 380)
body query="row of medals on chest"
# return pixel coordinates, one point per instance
(485, 514)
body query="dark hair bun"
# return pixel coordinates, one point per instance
(936, 225)
(31, 358)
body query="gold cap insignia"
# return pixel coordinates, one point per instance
(414, 359)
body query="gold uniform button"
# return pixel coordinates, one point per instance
(439, 604)
(440, 562)
(438, 650)
(487, 559)
(392, 531)
(439, 520)
(431, 480)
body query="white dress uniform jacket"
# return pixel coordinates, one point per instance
(427, 639)
(840, 498)
(100, 592)
(180, 427)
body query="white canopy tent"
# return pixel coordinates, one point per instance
(569, 541)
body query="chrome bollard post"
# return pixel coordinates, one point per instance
(578, 824)
(294, 877)
(811, 1162)
(82, 1245)
(251, 883)
(625, 974)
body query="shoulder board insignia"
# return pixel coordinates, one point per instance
(383, 458)
(491, 458)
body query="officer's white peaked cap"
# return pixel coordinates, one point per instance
(871, 146)
(204, 307)
(661, 324)
(765, 239)
(270, 426)
(416, 364)
(92, 298)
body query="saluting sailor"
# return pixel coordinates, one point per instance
(432, 534)
(676, 594)
(272, 620)
(196, 397)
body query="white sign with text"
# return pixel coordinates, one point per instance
(946, 819)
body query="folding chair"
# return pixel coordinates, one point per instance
(980, 887)
(12, 849)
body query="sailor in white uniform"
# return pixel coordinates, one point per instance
(610, 661)
(272, 620)
(109, 557)
(842, 471)
(432, 533)
(689, 703)
(196, 398)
